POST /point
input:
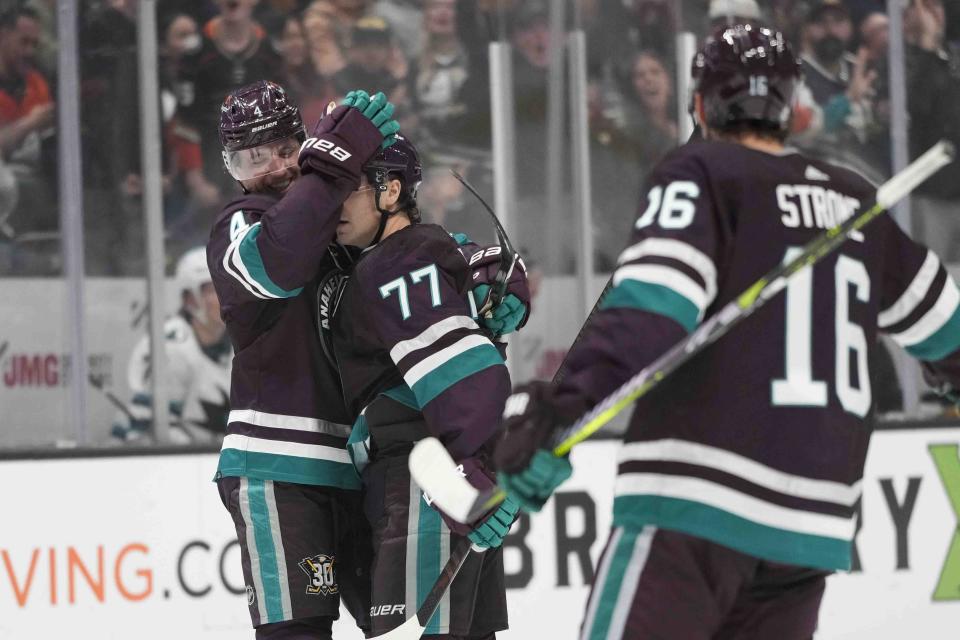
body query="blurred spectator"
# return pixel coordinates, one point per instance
(308, 88)
(199, 356)
(323, 43)
(446, 99)
(373, 61)
(652, 24)
(234, 52)
(875, 43)
(405, 17)
(650, 108)
(841, 84)
(730, 12)
(26, 117)
(933, 93)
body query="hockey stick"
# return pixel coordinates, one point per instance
(434, 470)
(508, 256)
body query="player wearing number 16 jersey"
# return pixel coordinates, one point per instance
(739, 477)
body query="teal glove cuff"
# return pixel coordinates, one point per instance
(533, 486)
(505, 317)
(491, 532)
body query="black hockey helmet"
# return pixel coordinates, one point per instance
(400, 161)
(747, 76)
(259, 115)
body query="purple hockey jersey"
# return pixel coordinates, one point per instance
(287, 420)
(759, 442)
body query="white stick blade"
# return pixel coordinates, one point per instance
(409, 630)
(915, 173)
(437, 474)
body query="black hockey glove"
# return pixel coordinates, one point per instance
(345, 139)
(527, 470)
(514, 310)
(942, 387)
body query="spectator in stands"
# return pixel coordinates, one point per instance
(323, 42)
(372, 61)
(26, 116)
(841, 84)
(875, 42)
(650, 107)
(652, 24)
(406, 19)
(446, 99)
(235, 51)
(310, 89)
(933, 93)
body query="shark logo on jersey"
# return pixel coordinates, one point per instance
(320, 570)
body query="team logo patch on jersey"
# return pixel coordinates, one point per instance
(319, 569)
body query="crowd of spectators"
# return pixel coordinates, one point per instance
(430, 57)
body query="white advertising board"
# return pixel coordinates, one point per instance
(141, 547)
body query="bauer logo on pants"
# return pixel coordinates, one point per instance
(319, 569)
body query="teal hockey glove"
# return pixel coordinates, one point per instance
(534, 485)
(491, 532)
(378, 110)
(503, 318)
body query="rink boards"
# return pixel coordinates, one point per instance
(141, 547)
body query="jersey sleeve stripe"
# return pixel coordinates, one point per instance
(677, 250)
(246, 257)
(914, 294)
(296, 423)
(935, 334)
(451, 371)
(438, 359)
(230, 269)
(429, 336)
(664, 276)
(664, 301)
(672, 450)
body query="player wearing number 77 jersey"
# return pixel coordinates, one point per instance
(739, 476)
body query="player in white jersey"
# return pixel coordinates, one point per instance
(198, 364)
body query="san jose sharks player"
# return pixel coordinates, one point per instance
(739, 476)
(416, 360)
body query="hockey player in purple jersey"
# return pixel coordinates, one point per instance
(739, 477)
(415, 361)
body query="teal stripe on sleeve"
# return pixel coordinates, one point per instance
(263, 540)
(250, 256)
(655, 298)
(463, 365)
(429, 530)
(402, 394)
(942, 343)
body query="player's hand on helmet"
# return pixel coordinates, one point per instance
(490, 532)
(378, 110)
(526, 468)
(344, 139)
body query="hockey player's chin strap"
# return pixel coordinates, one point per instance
(384, 216)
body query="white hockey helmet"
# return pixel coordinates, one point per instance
(192, 273)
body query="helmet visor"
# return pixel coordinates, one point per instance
(278, 155)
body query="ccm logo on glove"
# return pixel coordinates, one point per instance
(326, 146)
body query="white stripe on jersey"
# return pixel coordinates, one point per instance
(685, 253)
(443, 356)
(673, 450)
(278, 447)
(280, 421)
(430, 335)
(671, 278)
(251, 540)
(241, 272)
(933, 319)
(736, 503)
(913, 295)
(227, 266)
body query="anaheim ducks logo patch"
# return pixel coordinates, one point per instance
(320, 571)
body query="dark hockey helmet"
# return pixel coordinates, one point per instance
(747, 76)
(400, 161)
(258, 122)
